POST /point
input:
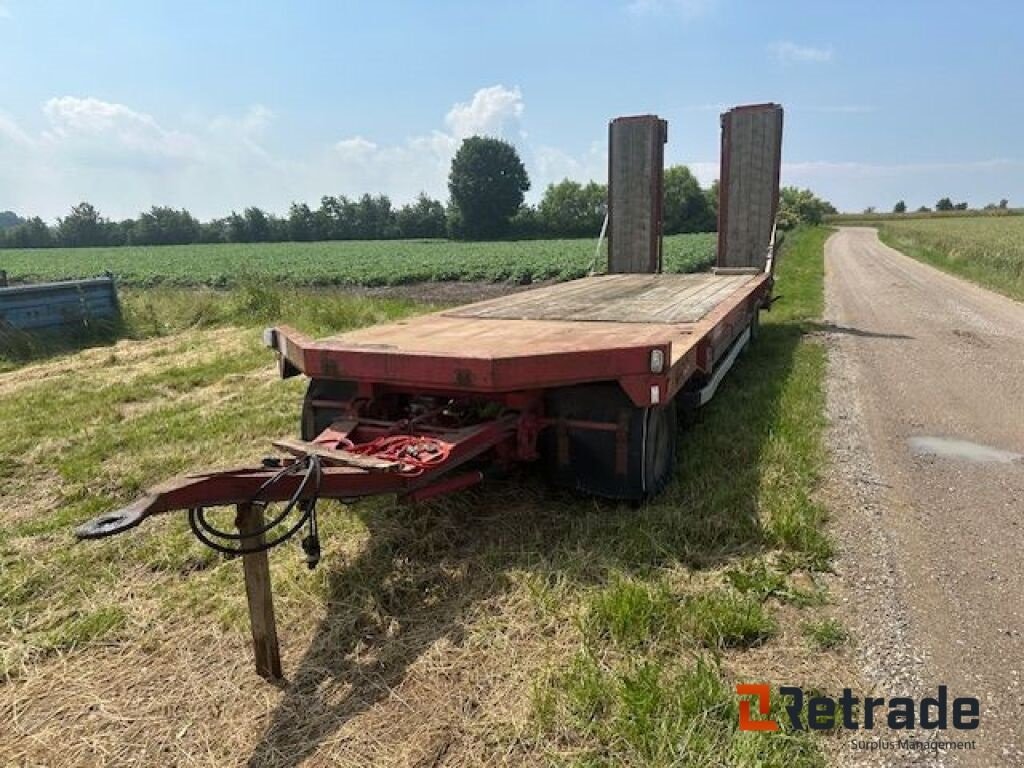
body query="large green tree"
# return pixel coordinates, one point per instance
(83, 226)
(487, 183)
(570, 209)
(685, 205)
(801, 206)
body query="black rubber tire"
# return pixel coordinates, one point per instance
(594, 455)
(660, 448)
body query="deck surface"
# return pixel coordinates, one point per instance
(614, 298)
(589, 314)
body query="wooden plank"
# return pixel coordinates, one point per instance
(633, 298)
(635, 183)
(336, 456)
(751, 159)
(267, 654)
(460, 333)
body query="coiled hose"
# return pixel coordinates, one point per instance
(216, 538)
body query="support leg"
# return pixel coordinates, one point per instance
(261, 600)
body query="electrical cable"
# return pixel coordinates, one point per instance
(416, 453)
(213, 537)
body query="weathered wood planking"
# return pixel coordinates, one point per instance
(615, 298)
(335, 455)
(635, 172)
(464, 338)
(749, 189)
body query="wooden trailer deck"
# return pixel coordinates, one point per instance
(591, 329)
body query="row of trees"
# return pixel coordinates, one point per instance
(945, 204)
(487, 185)
(337, 218)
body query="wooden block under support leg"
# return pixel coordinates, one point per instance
(249, 520)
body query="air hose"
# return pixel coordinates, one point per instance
(218, 539)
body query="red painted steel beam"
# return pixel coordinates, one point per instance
(455, 373)
(241, 486)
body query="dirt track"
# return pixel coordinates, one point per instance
(931, 530)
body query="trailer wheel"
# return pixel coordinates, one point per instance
(660, 448)
(602, 444)
(317, 411)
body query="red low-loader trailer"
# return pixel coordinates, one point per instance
(430, 404)
(586, 377)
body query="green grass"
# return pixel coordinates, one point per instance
(619, 624)
(825, 634)
(695, 574)
(366, 263)
(853, 219)
(988, 250)
(165, 310)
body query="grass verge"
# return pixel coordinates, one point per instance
(698, 576)
(988, 250)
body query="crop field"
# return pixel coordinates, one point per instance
(515, 624)
(986, 249)
(363, 263)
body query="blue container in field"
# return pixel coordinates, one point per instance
(55, 306)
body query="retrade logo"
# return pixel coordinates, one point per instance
(762, 693)
(853, 713)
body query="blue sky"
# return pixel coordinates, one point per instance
(218, 105)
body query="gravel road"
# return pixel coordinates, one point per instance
(926, 401)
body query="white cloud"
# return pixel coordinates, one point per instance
(786, 50)
(487, 114)
(551, 165)
(102, 132)
(125, 160)
(10, 131)
(421, 163)
(356, 146)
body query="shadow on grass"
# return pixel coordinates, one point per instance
(424, 569)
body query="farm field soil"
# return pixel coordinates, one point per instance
(988, 250)
(365, 263)
(513, 625)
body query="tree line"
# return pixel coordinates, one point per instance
(486, 185)
(944, 204)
